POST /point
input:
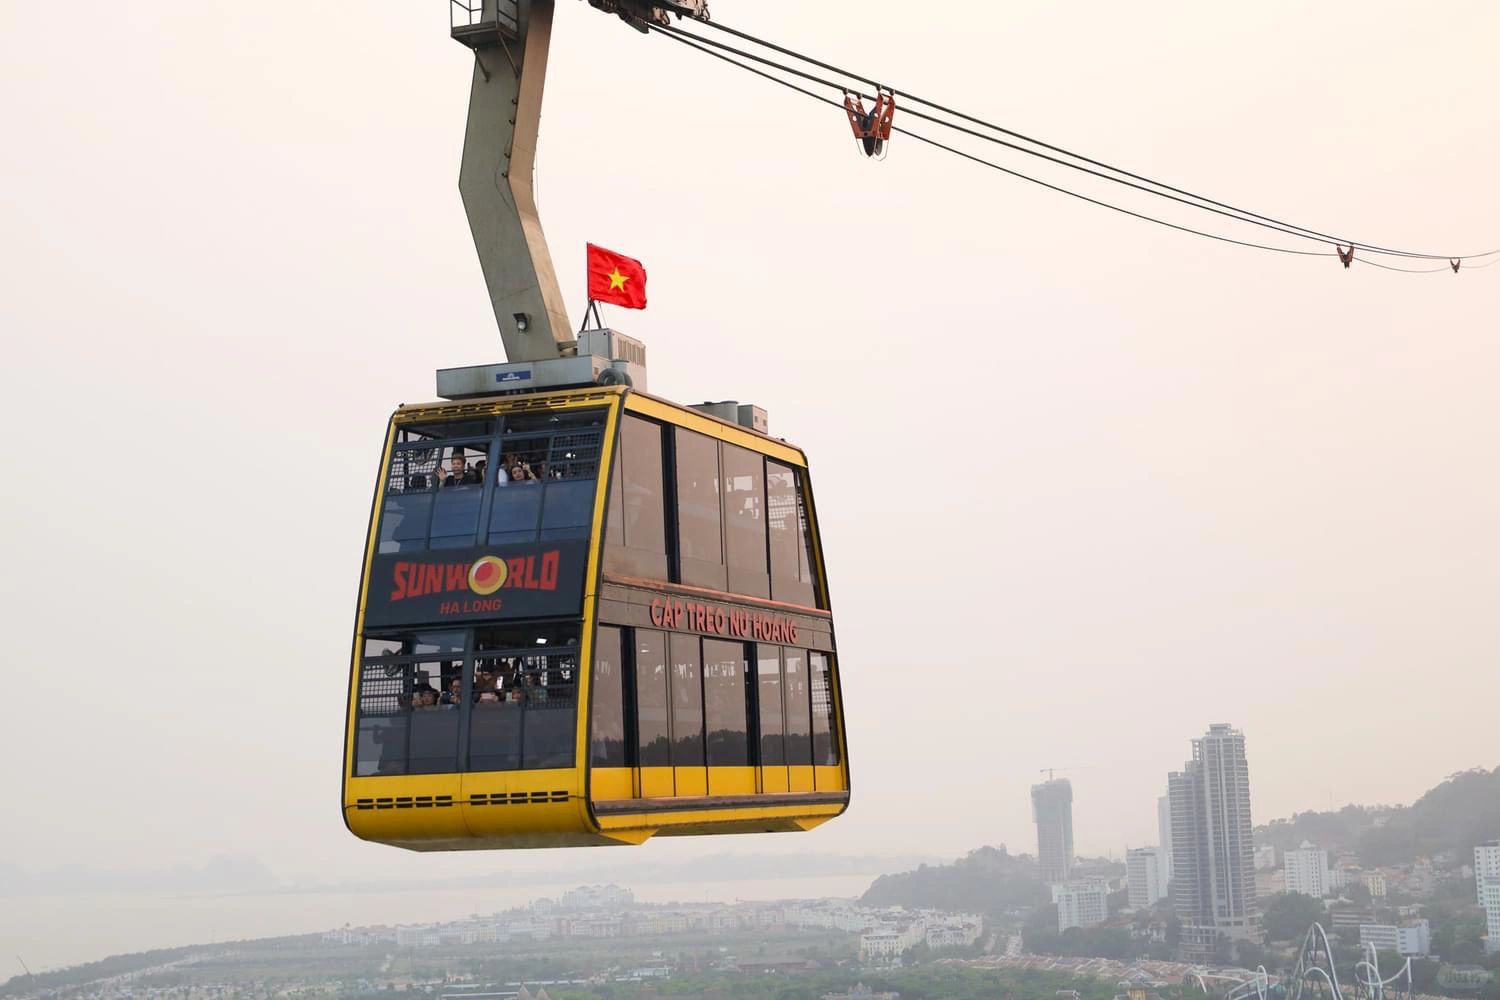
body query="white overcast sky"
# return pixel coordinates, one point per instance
(1087, 485)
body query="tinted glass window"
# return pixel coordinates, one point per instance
(408, 722)
(686, 691)
(699, 515)
(790, 538)
(434, 485)
(459, 495)
(436, 698)
(652, 720)
(607, 693)
(798, 708)
(725, 703)
(768, 683)
(515, 513)
(637, 504)
(745, 521)
(384, 713)
(544, 481)
(514, 687)
(415, 644)
(824, 726)
(524, 697)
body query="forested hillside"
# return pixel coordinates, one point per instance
(1456, 815)
(986, 881)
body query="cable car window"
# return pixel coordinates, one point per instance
(408, 499)
(516, 511)
(654, 735)
(790, 537)
(745, 521)
(686, 686)
(568, 509)
(607, 694)
(637, 531)
(824, 728)
(798, 708)
(523, 694)
(428, 458)
(545, 482)
(416, 644)
(380, 738)
(437, 695)
(407, 724)
(768, 683)
(700, 538)
(460, 492)
(726, 703)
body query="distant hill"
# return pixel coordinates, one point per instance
(988, 880)
(1455, 816)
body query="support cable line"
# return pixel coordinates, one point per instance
(1105, 172)
(996, 166)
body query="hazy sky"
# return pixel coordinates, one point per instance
(1087, 485)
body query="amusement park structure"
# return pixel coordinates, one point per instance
(1314, 977)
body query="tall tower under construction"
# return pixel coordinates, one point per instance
(1052, 808)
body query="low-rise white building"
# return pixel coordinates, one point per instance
(1413, 939)
(1307, 871)
(1146, 876)
(1083, 903)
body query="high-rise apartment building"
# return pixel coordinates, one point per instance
(1145, 876)
(1487, 880)
(1307, 871)
(1164, 830)
(1213, 854)
(1052, 808)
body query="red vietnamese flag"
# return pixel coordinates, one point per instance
(616, 279)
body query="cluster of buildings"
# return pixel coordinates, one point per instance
(1205, 862)
(885, 933)
(1210, 870)
(1311, 871)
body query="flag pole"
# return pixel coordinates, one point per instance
(592, 310)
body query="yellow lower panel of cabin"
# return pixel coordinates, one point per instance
(607, 784)
(731, 781)
(405, 811)
(773, 780)
(750, 819)
(692, 782)
(799, 778)
(656, 783)
(830, 779)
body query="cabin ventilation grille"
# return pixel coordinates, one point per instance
(516, 798)
(406, 802)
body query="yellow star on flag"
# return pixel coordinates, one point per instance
(617, 281)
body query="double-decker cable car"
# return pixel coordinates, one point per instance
(587, 615)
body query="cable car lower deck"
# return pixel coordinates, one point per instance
(590, 617)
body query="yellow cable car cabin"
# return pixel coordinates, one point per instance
(589, 617)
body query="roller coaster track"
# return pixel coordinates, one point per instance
(1314, 977)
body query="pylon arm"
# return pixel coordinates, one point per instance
(510, 39)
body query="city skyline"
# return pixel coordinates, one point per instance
(1166, 478)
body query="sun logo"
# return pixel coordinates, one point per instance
(487, 575)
